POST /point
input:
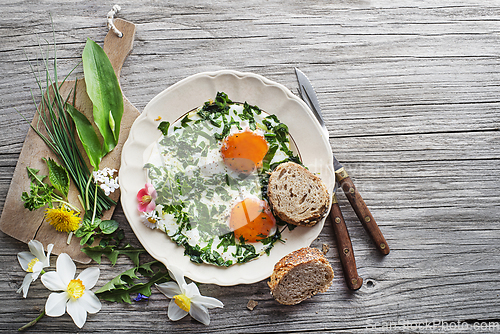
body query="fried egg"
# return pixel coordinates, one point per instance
(210, 171)
(243, 151)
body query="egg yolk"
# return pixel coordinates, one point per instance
(251, 219)
(244, 151)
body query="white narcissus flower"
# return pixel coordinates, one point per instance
(186, 298)
(33, 262)
(76, 297)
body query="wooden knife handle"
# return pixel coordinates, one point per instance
(344, 247)
(362, 211)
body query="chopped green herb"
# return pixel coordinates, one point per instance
(193, 194)
(163, 127)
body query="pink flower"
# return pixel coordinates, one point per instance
(146, 197)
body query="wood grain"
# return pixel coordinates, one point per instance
(409, 92)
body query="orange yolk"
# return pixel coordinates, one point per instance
(251, 219)
(243, 151)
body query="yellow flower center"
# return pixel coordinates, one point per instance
(75, 288)
(152, 220)
(62, 219)
(146, 199)
(31, 264)
(183, 302)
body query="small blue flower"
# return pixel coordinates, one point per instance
(140, 297)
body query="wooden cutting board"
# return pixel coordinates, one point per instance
(26, 225)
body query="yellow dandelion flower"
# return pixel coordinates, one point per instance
(63, 220)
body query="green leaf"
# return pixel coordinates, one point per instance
(33, 175)
(104, 91)
(112, 124)
(163, 127)
(87, 136)
(111, 252)
(85, 238)
(58, 176)
(39, 195)
(132, 253)
(120, 288)
(108, 226)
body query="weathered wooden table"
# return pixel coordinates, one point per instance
(410, 92)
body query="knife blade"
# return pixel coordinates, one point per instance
(342, 238)
(307, 93)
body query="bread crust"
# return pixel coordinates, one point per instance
(291, 208)
(303, 256)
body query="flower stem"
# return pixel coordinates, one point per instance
(67, 204)
(87, 193)
(81, 201)
(32, 322)
(70, 235)
(95, 206)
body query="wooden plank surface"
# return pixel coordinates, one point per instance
(410, 92)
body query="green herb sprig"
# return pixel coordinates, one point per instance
(55, 128)
(120, 288)
(42, 194)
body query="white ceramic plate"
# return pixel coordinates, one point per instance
(192, 92)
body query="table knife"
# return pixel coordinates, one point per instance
(344, 245)
(308, 94)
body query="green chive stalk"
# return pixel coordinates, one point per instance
(60, 137)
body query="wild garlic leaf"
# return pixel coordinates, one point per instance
(87, 135)
(58, 176)
(112, 124)
(104, 91)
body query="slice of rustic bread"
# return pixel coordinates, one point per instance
(297, 196)
(300, 275)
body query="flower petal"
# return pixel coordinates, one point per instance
(150, 207)
(89, 277)
(66, 268)
(200, 313)
(208, 302)
(90, 302)
(175, 312)
(151, 191)
(24, 259)
(141, 193)
(26, 284)
(56, 303)
(49, 251)
(191, 290)
(77, 312)
(36, 248)
(169, 289)
(178, 276)
(37, 268)
(53, 282)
